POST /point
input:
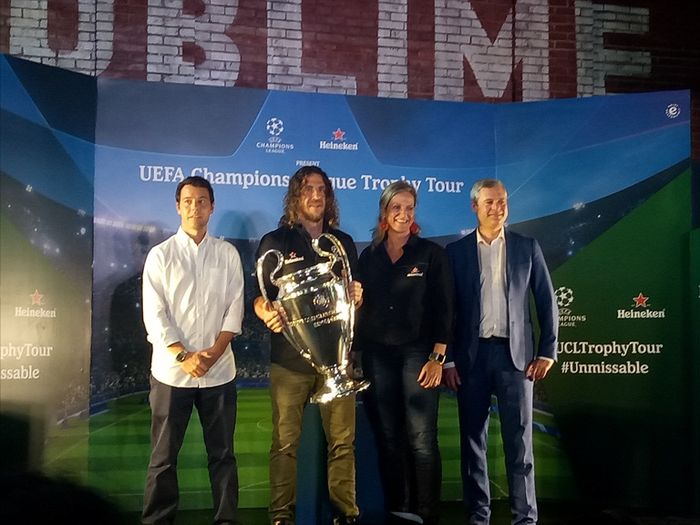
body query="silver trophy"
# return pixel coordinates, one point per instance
(319, 315)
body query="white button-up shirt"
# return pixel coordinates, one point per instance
(192, 293)
(493, 285)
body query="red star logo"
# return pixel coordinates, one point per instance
(338, 134)
(640, 300)
(37, 298)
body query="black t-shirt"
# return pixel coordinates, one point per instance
(406, 303)
(295, 244)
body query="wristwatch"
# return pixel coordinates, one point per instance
(181, 356)
(437, 357)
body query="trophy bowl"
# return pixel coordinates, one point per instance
(319, 315)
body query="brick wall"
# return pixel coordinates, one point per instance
(477, 50)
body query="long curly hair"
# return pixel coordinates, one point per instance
(292, 200)
(393, 189)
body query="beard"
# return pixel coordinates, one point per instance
(313, 215)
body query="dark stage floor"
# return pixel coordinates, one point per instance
(551, 513)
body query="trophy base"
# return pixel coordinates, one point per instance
(338, 387)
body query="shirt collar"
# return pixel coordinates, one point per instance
(481, 240)
(300, 228)
(412, 240)
(186, 240)
(410, 243)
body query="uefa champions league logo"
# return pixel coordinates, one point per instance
(274, 144)
(321, 302)
(567, 318)
(275, 126)
(673, 110)
(565, 296)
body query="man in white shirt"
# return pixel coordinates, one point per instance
(495, 272)
(192, 308)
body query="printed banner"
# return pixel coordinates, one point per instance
(46, 197)
(604, 184)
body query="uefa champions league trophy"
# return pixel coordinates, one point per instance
(319, 316)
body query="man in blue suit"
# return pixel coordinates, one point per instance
(494, 350)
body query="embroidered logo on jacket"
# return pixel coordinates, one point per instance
(292, 258)
(415, 272)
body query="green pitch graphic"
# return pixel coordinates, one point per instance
(694, 299)
(618, 387)
(553, 479)
(44, 370)
(118, 450)
(624, 302)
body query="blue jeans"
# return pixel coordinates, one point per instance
(403, 416)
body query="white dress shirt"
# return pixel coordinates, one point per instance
(192, 293)
(493, 286)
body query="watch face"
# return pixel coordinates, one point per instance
(181, 356)
(440, 358)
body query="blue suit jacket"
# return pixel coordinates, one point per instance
(525, 270)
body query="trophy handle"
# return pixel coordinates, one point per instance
(346, 275)
(261, 282)
(261, 276)
(341, 254)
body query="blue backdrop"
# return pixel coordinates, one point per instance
(89, 170)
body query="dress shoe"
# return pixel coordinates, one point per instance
(346, 520)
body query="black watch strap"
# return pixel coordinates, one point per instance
(438, 358)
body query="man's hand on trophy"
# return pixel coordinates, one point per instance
(273, 316)
(356, 293)
(354, 370)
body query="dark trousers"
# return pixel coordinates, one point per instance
(403, 416)
(171, 408)
(494, 373)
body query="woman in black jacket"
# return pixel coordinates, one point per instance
(402, 331)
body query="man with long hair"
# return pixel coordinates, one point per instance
(310, 209)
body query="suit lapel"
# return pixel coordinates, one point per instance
(511, 249)
(473, 263)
